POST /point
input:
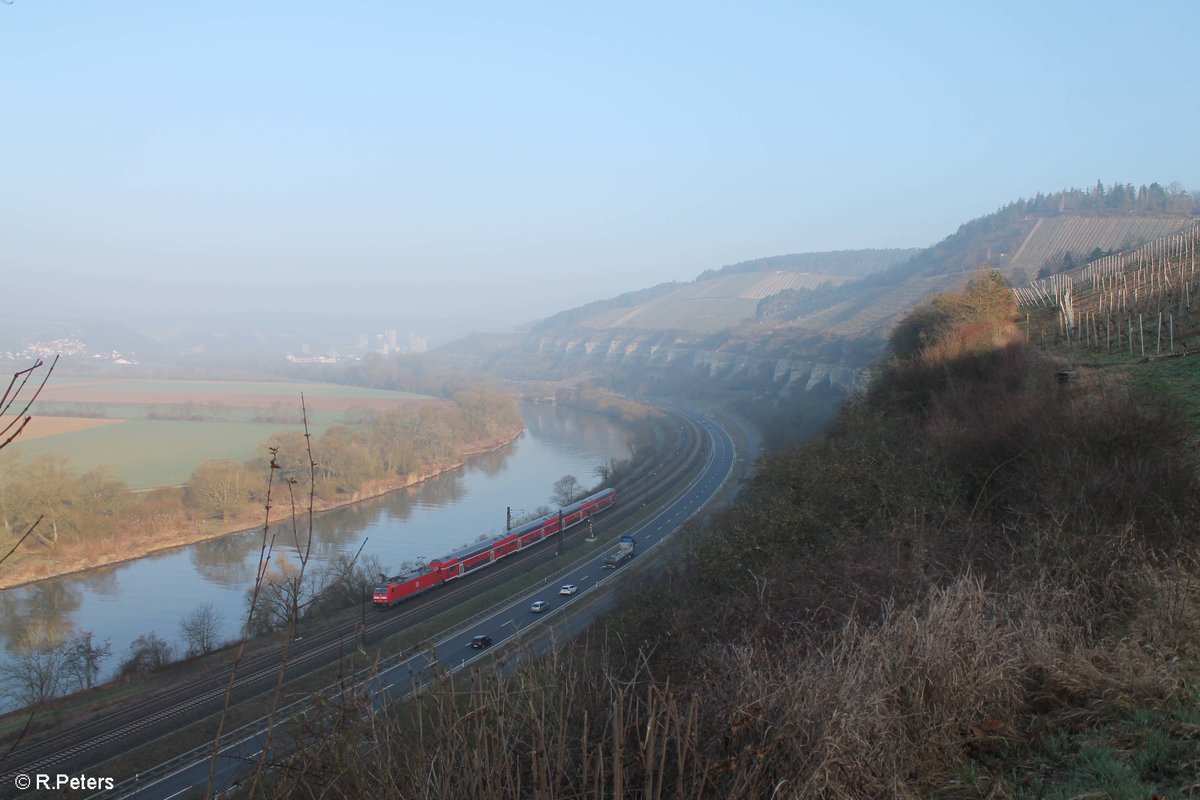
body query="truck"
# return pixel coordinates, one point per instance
(623, 553)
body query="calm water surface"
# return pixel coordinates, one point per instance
(121, 602)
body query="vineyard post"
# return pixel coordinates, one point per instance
(1141, 335)
(1171, 322)
(1158, 345)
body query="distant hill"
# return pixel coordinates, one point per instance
(722, 299)
(798, 322)
(844, 263)
(1044, 235)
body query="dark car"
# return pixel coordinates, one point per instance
(480, 642)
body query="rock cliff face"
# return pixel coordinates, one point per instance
(765, 366)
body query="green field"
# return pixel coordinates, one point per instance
(216, 419)
(149, 453)
(81, 389)
(147, 411)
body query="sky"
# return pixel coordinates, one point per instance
(494, 163)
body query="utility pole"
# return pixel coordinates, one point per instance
(561, 532)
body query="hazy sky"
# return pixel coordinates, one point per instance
(507, 161)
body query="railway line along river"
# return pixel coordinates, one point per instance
(154, 594)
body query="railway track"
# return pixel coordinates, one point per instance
(173, 709)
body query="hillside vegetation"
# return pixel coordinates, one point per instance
(979, 582)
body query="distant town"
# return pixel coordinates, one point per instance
(65, 347)
(387, 342)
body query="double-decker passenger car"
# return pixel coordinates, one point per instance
(487, 552)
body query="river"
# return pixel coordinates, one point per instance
(152, 594)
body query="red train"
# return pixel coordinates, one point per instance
(482, 554)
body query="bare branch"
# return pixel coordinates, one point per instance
(11, 394)
(21, 541)
(264, 559)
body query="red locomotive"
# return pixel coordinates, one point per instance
(482, 554)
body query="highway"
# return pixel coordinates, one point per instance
(505, 624)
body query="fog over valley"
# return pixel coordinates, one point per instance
(446, 172)
(541, 400)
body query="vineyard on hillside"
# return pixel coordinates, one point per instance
(875, 310)
(1053, 238)
(1137, 302)
(711, 305)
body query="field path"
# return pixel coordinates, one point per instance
(41, 427)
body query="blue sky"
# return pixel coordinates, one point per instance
(505, 161)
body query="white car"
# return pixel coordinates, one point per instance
(568, 588)
(539, 606)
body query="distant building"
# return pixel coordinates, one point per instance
(417, 344)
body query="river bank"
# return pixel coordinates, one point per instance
(168, 531)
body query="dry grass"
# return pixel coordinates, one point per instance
(974, 560)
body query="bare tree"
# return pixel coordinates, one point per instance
(33, 676)
(148, 653)
(83, 660)
(347, 581)
(201, 629)
(10, 400)
(285, 594)
(219, 488)
(566, 489)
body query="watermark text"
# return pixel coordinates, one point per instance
(61, 782)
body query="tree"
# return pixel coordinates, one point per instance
(219, 488)
(566, 489)
(148, 654)
(83, 659)
(346, 462)
(32, 676)
(986, 298)
(104, 497)
(283, 597)
(46, 492)
(201, 629)
(42, 666)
